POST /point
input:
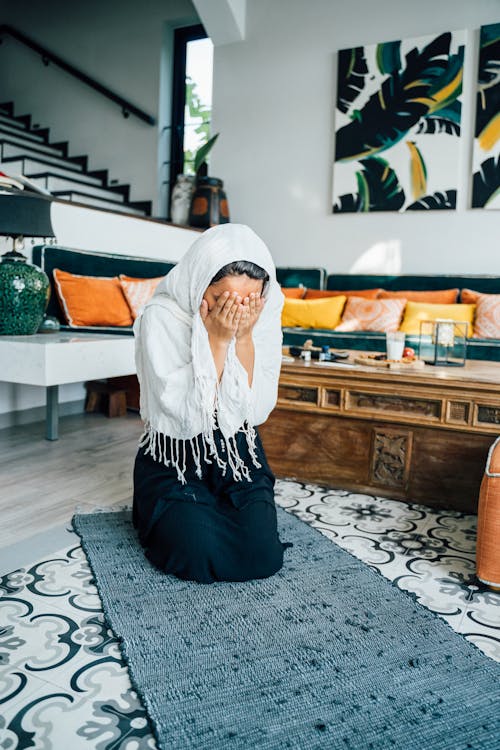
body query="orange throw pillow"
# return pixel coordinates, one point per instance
(138, 291)
(293, 292)
(469, 296)
(319, 293)
(91, 300)
(487, 319)
(372, 315)
(437, 297)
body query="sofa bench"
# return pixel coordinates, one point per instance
(486, 349)
(93, 263)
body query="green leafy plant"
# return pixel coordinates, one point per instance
(197, 110)
(203, 152)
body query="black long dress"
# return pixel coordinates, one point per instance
(209, 529)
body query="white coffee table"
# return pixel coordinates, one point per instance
(52, 359)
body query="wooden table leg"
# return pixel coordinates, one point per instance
(52, 413)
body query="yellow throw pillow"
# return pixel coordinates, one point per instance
(415, 312)
(315, 313)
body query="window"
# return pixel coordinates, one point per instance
(192, 98)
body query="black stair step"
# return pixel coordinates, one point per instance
(23, 152)
(63, 146)
(7, 108)
(9, 139)
(121, 189)
(83, 160)
(80, 185)
(38, 167)
(146, 206)
(13, 123)
(101, 174)
(24, 119)
(8, 129)
(44, 132)
(89, 200)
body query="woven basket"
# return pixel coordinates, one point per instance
(488, 522)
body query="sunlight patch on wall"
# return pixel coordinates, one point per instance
(382, 258)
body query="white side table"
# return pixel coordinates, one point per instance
(52, 359)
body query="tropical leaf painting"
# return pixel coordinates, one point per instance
(438, 201)
(352, 72)
(402, 108)
(486, 184)
(486, 153)
(378, 187)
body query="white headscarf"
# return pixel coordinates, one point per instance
(180, 393)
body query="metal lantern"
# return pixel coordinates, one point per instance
(443, 342)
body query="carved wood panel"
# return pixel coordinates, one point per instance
(391, 456)
(381, 402)
(298, 393)
(488, 414)
(458, 412)
(331, 397)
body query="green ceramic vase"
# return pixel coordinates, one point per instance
(24, 294)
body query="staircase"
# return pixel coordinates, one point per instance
(25, 150)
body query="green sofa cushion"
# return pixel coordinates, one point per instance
(485, 284)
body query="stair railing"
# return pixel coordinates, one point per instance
(50, 57)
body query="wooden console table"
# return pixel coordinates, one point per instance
(416, 435)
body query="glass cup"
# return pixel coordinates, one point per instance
(395, 344)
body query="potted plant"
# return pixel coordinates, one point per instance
(209, 205)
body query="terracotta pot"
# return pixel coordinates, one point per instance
(209, 205)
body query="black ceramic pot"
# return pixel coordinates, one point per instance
(209, 203)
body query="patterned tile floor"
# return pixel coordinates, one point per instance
(64, 685)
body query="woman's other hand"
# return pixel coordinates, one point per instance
(252, 308)
(223, 319)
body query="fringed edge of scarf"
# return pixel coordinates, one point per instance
(172, 451)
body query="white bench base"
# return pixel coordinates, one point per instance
(53, 359)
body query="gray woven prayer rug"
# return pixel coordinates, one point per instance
(325, 654)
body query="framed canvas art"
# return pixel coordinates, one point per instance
(398, 118)
(486, 151)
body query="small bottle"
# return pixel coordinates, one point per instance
(324, 355)
(306, 356)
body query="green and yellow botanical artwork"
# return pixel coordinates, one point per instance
(398, 125)
(486, 154)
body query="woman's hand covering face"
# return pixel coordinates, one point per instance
(252, 308)
(222, 320)
(231, 307)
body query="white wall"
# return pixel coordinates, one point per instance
(274, 100)
(119, 43)
(91, 229)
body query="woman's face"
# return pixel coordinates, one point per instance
(242, 284)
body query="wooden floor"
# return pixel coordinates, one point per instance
(41, 482)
